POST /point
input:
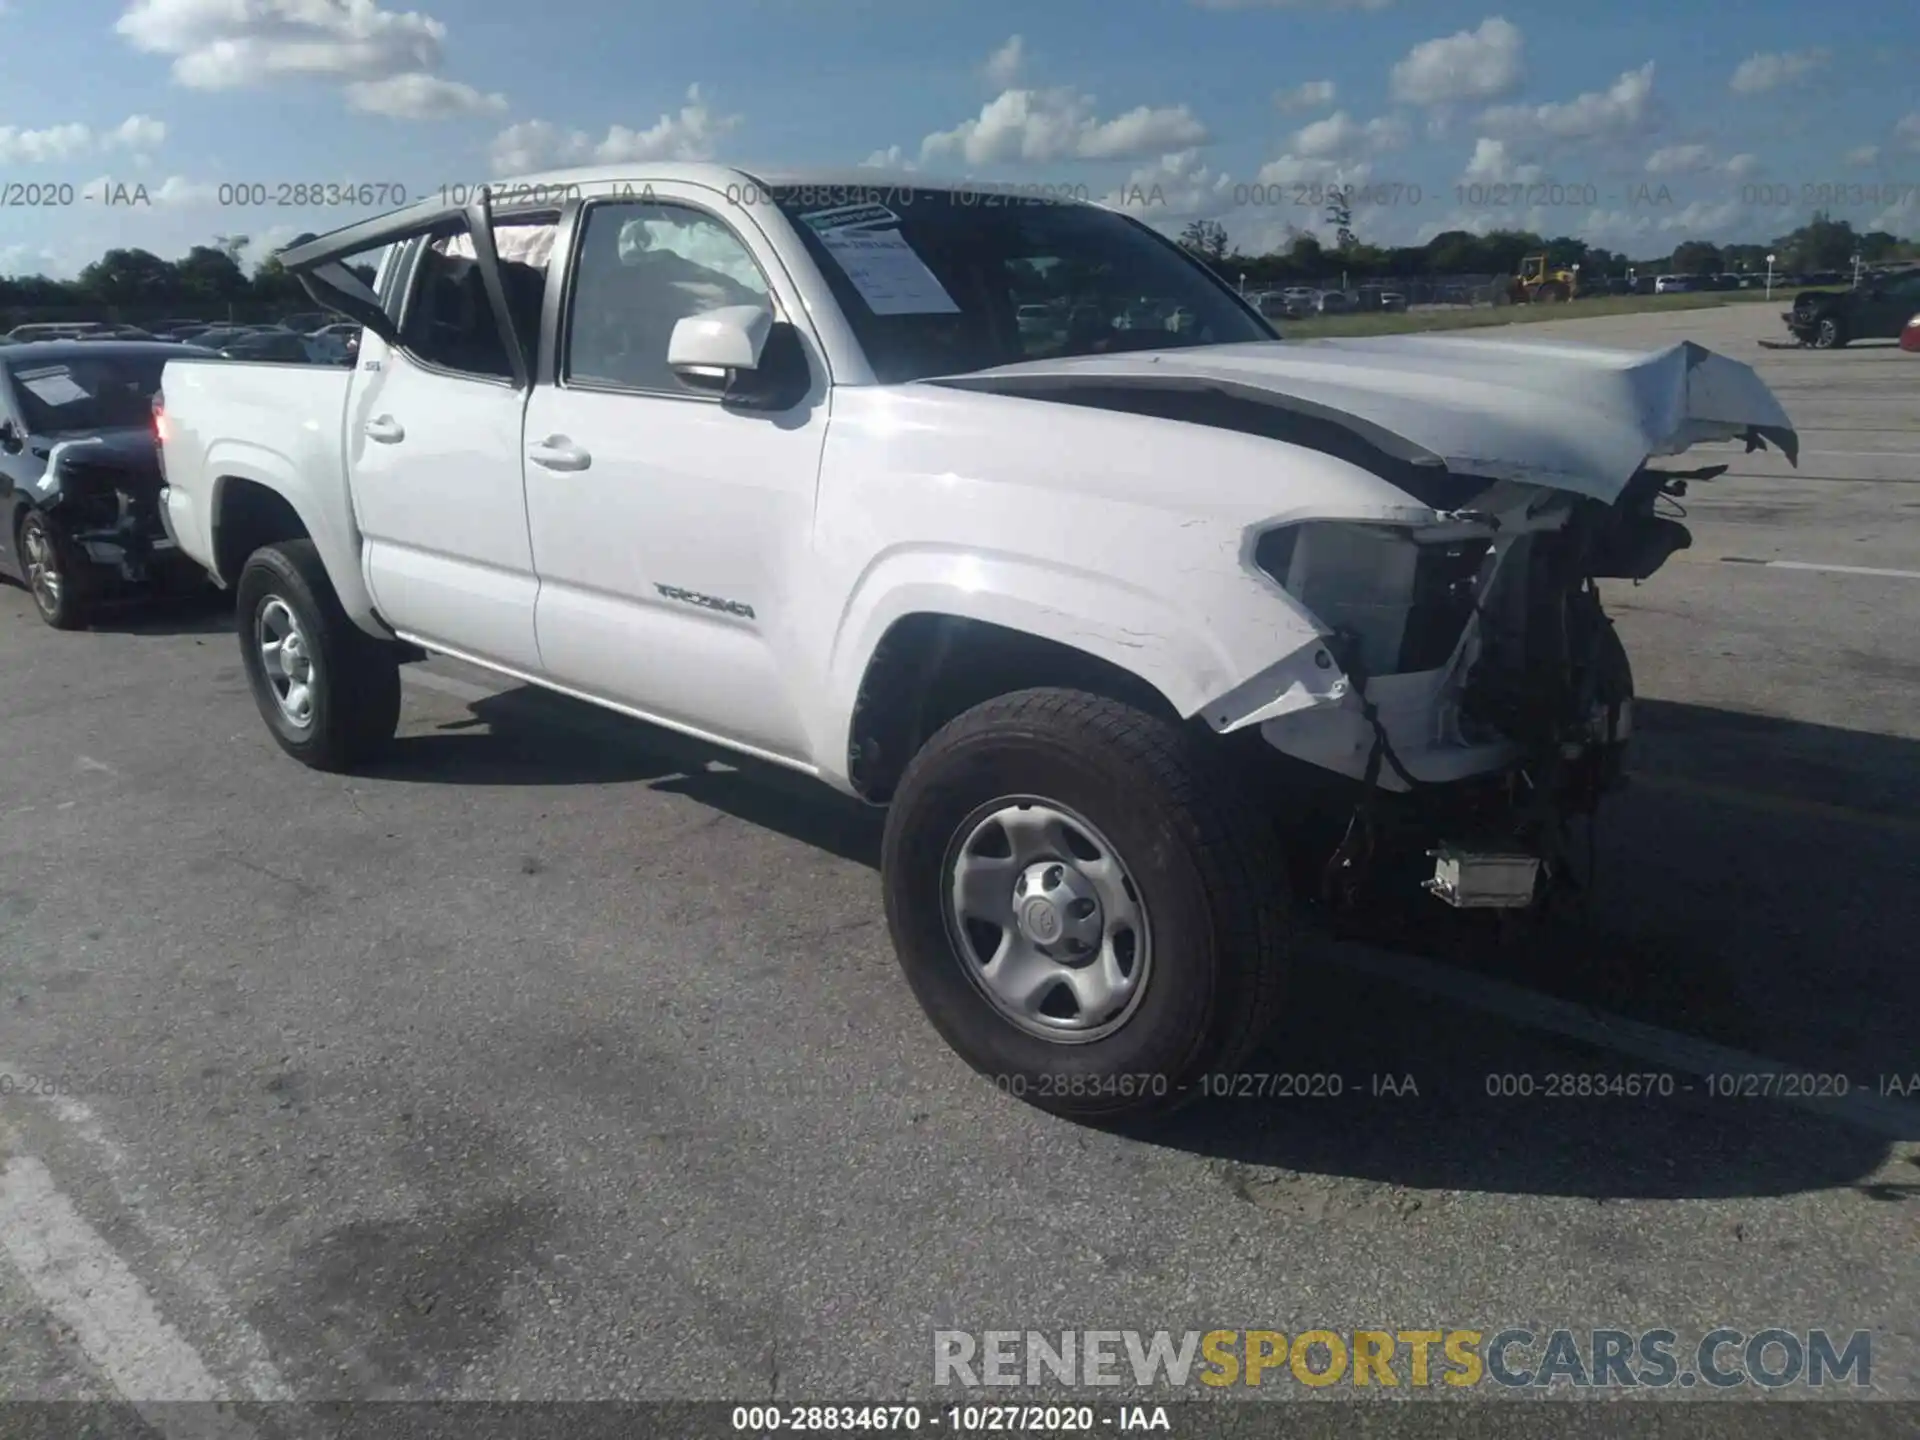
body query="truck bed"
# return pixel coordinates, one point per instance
(292, 418)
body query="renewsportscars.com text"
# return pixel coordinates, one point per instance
(1515, 1358)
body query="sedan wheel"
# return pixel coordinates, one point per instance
(50, 577)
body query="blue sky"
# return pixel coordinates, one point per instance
(1634, 125)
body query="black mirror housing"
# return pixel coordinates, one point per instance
(782, 378)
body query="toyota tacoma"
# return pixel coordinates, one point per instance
(1157, 643)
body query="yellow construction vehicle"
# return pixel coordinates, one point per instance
(1541, 283)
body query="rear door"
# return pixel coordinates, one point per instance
(433, 427)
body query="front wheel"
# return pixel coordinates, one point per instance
(329, 692)
(1831, 334)
(54, 573)
(1086, 907)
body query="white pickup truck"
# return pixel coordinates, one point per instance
(1155, 642)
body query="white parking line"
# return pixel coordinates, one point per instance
(1831, 569)
(77, 1276)
(245, 1352)
(1869, 1110)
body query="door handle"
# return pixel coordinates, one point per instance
(386, 430)
(556, 452)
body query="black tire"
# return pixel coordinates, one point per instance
(1830, 333)
(65, 604)
(355, 695)
(1205, 864)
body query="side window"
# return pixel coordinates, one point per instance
(449, 321)
(642, 269)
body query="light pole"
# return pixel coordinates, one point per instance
(1769, 277)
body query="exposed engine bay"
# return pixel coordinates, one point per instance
(1490, 701)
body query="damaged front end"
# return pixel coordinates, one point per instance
(105, 493)
(1488, 702)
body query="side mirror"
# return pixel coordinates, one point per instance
(11, 440)
(742, 354)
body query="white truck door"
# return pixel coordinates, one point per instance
(672, 524)
(433, 422)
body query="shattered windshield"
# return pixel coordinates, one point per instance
(940, 282)
(93, 392)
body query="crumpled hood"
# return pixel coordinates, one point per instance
(1573, 417)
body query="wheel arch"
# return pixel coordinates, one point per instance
(255, 500)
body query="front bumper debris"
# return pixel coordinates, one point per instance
(1480, 880)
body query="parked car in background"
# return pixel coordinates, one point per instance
(1910, 337)
(1333, 302)
(1300, 301)
(283, 346)
(1392, 300)
(1672, 285)
(1877, 309)
(80, 472)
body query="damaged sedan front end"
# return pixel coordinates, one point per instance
(80, 474)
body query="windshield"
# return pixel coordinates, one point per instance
(940, 282)
(93, 392)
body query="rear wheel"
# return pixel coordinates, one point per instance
(329, 692)
(55, 576)
(1552, 293)
(1087, 908)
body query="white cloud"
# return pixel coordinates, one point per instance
(1291, 169)
(1862, 156)
(1005, 64)
(1614, 229)
(1492, 163)
(1901, 218)
(1679, 160)
(1341, 137)
(415, 95)
(1758, 74)
(1622, 109)
(693, 133)
(1741, 166)
(137, 133)
(1308, 95)
(891, 158)
(1484, 64)
(1908, 131)
(223, 44)
(38, 147)
(1706, 220)
(1176, 187)
(1061, 124)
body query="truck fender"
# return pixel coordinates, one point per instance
(334, 536)
(1130, 628)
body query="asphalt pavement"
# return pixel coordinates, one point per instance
(562, 1058)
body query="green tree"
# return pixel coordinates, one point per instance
(1697, 257)
(1207, 239)
(128, 277)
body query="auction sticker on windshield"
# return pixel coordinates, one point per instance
(889, 275)
(842, 217)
